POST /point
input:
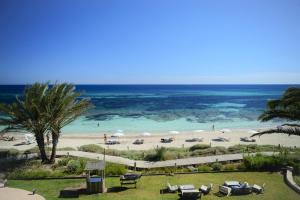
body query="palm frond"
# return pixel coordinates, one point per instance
(281, 130)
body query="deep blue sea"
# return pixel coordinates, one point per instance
(164, 108)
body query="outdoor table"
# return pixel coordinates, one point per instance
(186, 187)
(231, 183)
(191, 193)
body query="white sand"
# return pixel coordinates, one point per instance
(150, 142)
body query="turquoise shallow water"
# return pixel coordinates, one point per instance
(163, 108)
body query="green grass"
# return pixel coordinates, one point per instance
(149, 186)
(297, 180)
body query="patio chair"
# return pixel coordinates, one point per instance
(258, 189)
(172, 188)
(206, 189)
(225, 190)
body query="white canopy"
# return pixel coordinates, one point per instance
(174, 132)
(146, 134)
(225, 130)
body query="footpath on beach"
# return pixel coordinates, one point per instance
(168, 163)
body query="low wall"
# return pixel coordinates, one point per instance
(290, 180)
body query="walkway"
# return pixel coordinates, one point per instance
(147, 165)
(18, 194)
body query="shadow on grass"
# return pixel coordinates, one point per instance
(116, 189)
(219, 194)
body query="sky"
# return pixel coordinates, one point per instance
(150, 41)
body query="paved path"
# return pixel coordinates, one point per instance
(169, 163)
(8, 193)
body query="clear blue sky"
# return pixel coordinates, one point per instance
(149, 41)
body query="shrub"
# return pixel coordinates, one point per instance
(241, 167)
(91, 148)
(270, 163)
(8, 153)
(199, 146)
(204, 168)
(74, 166)
(158, 155)
(34, 174)
(220, 150)
(229, 167)
(114, 169)
(66, 149)
(216, 166)
(169, 155)
(64, 161)
(236, 148)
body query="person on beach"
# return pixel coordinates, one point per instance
(213, 128)
(105, 138)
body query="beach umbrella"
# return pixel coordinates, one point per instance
(146, 134)
(225, 130)
(252, 131)
(118, 134)
(174, 132)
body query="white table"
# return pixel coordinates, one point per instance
(231, 183)
(186, 187)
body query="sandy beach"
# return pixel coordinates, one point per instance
(153, 141)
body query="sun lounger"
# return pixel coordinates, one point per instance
(221, 139)
(166, 140)
(206, 189)
(247, 139)
(172, 188)
(112, 142)
(194, 140)
(258, 189)
(139, 141)
(225, 190)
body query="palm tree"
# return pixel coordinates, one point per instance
(42, 110)
(63, 107)
(288, 108)
(28, 114)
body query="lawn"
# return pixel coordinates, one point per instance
(149, 186)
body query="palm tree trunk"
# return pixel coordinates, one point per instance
(41, 144)
(55, 137)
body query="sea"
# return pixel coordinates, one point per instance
(134, 109)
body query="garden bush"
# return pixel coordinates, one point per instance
(199, 146)
(229, 167)
(114, 169)
(91, 148)
(74, 167)
(204, 168)
(4, 153)
(217, 166)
